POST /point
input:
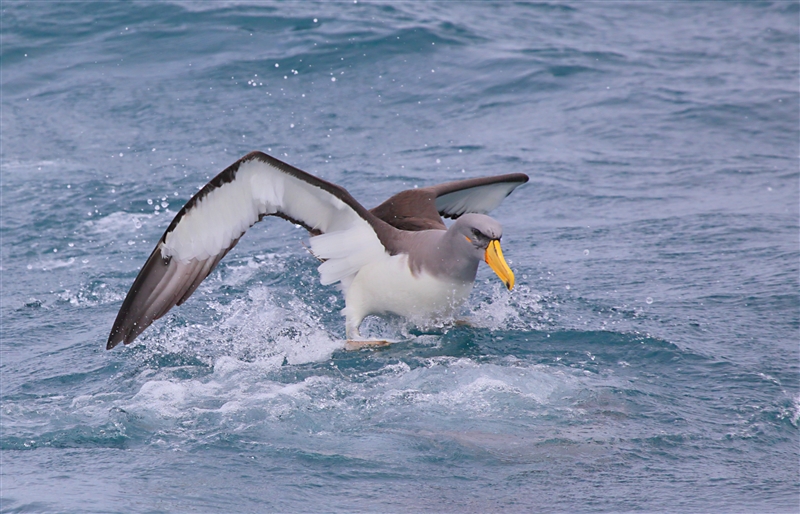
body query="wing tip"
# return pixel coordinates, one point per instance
(514, 177)
(126, 334)
(120, 333)
(114, 338)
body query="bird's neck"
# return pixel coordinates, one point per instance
(444, 254)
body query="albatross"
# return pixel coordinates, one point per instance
(398, 258)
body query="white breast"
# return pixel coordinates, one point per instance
(388, 286)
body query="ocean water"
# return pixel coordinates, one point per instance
(647, 360)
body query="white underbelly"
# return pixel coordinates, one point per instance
(388, 286)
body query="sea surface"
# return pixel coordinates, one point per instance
(646, 361)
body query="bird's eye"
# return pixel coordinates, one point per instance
(477, 233)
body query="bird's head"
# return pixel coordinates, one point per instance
(483, 234)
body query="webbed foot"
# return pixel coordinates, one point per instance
(357, 344)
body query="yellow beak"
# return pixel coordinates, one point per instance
(494, 258)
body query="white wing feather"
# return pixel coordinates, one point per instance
(480, 199)
(224, 214)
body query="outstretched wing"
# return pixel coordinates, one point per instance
(478, 195)
(422, 209)
(211, 223)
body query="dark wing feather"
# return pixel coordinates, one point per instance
(414, 209)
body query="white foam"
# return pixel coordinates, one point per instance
(240, 397)
(89, 295)
(235, 396)
(165, 397)
(51, 264)
(238, 274)
(500, 309)
(257, 327)
(119, 222)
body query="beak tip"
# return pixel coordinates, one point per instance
(494, 258)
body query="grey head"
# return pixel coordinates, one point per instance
(480, 230)
(482, 235)
(456, 252)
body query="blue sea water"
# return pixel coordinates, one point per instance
(647, 360)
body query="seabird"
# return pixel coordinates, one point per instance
(397, 258)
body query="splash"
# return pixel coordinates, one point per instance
(119, 222)
(90, 295)
(259, 327)
(500, 310)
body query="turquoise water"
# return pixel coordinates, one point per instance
(647, 360)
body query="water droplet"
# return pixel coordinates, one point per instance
(164, 204)
(277, 65)
(648, 300)
(438, 161)
(567, 287)
(586, 252)
(149, 201)
(333, 79)
(315, 20)
(131, 242)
